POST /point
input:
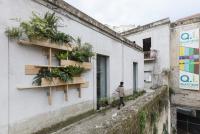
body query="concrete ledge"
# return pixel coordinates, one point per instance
(50, 118)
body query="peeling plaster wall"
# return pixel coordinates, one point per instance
(28, 108)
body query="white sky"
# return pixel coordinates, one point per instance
(138, 12)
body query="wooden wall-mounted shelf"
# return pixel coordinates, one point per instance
(34, 69)
(85, 65)
(46, 44)
(82, 85)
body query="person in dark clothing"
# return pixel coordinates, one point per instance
(121, 94)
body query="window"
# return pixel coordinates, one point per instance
(147, 76)
(147, 44)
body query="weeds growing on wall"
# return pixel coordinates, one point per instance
(152, 111)
(135, 95)
(142, 117)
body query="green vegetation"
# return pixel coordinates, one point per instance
(102, 102)
(65, 74)
(81, 53)
(142, 121)
(40, 28)
(154, 116)
(135, 95)
(13, 33)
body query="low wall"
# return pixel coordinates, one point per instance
(148, 114)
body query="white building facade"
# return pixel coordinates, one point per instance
(155, 40)
(26, 111)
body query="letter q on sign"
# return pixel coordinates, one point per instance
(185, 78)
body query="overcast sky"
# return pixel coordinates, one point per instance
(138, 12)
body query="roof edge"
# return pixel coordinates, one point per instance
(146, 26)
(185, 21)
(91, 21)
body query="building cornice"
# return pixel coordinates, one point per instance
(92, 22)
(147, 26)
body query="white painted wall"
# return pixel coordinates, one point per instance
(160, 41)
(29, 109)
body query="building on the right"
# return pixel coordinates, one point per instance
(184, 76)
(172, 49)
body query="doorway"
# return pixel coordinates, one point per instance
(135, 74)
(102, 91)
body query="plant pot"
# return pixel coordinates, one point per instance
(57, 81)
(85, 65)
(48, 43)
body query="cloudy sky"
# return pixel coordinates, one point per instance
(138, 12)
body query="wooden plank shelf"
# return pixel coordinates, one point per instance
(47, 86)
(85, 65)
(77, 82)
(34, 69)
(46, 44)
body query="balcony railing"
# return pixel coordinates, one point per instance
(150, 55)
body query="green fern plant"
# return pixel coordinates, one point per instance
(82, 52)
(41, 28)
(43, 73)
(62, 55)
(14, 32)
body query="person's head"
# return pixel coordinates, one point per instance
(121, 83)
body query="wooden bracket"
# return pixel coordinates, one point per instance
(79, 92)
(49, 94)
(66, 93)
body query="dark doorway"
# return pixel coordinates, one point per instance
(147, 44)
(101, 78)
(134, 76)
(188, 122)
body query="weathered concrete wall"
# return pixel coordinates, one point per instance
(181, 97)
(160, 41)
(29, 108)
(127, 120)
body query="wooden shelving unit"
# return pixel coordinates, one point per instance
(85, 65)
(46, 44)
(34, 69)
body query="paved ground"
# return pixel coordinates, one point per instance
(85, 126)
